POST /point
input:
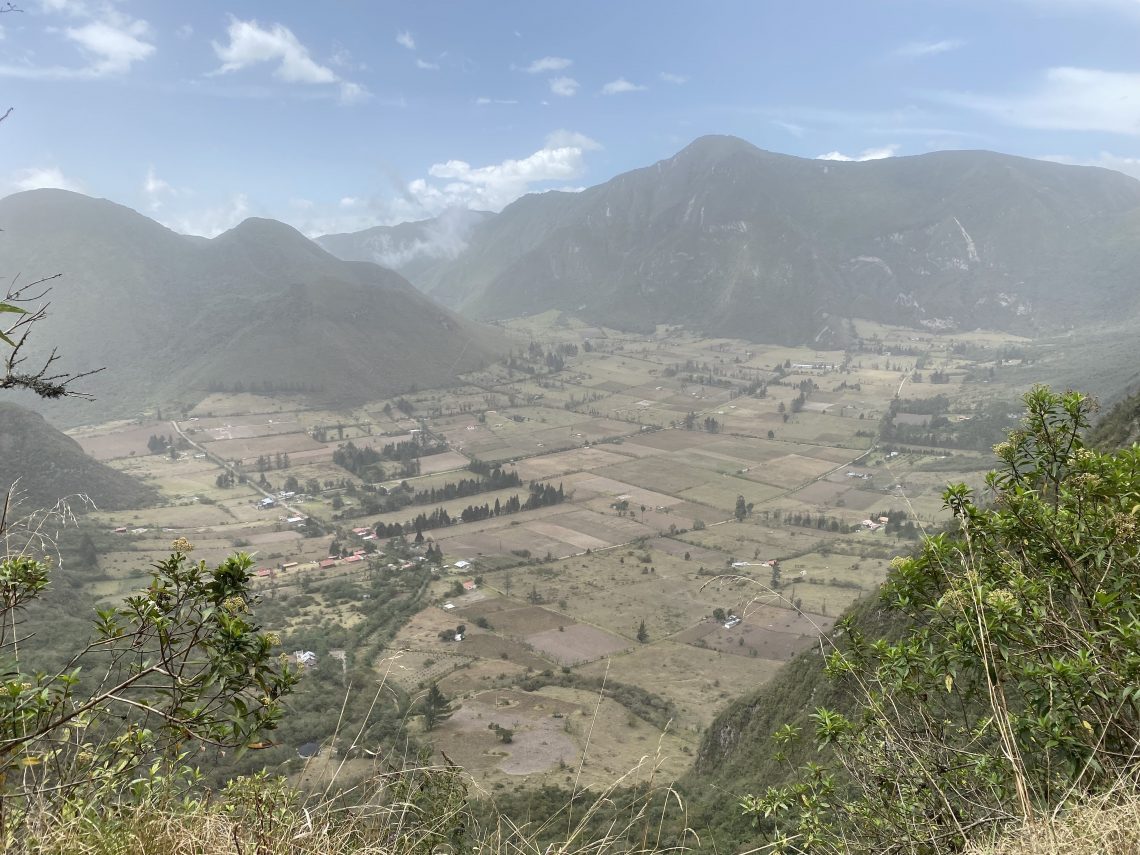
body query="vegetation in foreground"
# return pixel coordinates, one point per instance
(1003, 714)
(1011, 695)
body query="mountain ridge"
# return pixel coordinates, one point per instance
(729, 239)
(171, 315)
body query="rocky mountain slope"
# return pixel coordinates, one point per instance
(733, 240)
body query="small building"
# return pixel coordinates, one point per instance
(732, 621)
(304, 658)
(326, 563)
(461, 565)
(469, 585)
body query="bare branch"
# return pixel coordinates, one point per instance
(44, 381)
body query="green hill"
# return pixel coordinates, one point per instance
(733, 240)
(50, 466)
(171, 316)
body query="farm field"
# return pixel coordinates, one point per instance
(693, 477)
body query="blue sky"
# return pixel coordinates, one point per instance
(339, 115)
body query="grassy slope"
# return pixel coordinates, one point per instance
(51, 466)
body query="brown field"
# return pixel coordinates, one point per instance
(577, 643)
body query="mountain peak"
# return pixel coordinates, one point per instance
(261, 229)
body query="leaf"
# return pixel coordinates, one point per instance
(949, 683)
(8, 307)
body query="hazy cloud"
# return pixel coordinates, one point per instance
(564, 86)
(404, 39)
(616, 87)
(1107, 160)
(880, 153)
(251, 44)
(791, 127)
(211, 222)
(427, 66)
(482, 102)
(913, 50)
(41, 177)
(676, 79)
(548, 63)
(1074, 99)
(155, 188)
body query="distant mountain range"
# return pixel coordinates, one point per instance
(260, 306)
(733, 240)
(47, 466)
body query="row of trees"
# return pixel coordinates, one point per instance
(540, 495)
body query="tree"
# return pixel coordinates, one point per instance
(180, 665)
(741, 509)
(1010, 689)
(719, 615)
(435, 708)
(642, 633)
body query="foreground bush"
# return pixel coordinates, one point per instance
(1015, 692)
(177, 669)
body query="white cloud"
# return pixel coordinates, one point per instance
(548, 63)
(351, 202)
(564, 86)
(155, 188)
(616, 87)
(458, 184)
(1075, 99)
(251, 44)
(880, 153)
(676, 79)
(427, 66)
(914, 50)
(405, 39)
(113, 48)
(40, 177)
(111, 43)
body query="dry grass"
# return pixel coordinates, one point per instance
(1108, 825)
(414, 812)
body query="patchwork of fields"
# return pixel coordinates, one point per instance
(699, 476)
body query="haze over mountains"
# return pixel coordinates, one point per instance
(411, 248)
(260, 306)
(733, 240)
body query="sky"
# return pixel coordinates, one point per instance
(340, 115)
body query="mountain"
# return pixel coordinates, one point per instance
(51, 466)
(732, 240)
(409, 248)
(171, 316)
